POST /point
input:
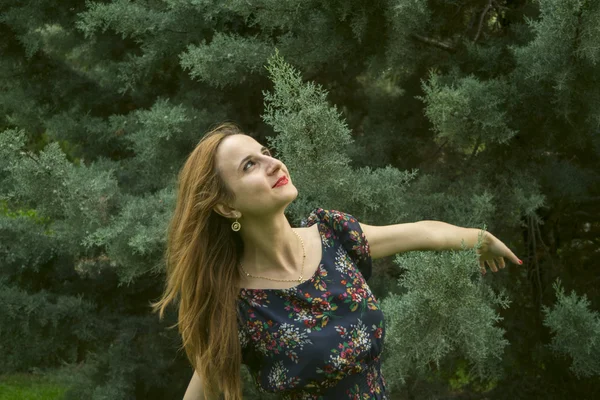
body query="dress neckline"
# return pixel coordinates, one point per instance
(311, 279)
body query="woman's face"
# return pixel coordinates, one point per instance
(251, 172)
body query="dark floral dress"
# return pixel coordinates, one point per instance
(323, 338)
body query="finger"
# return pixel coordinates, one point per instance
(519, 262)
(492, 265)
(515, 259)
(500, 261)
(510, 255)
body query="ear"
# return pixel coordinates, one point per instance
(226, 211)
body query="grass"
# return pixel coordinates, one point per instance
(30, 387)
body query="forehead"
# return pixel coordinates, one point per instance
(233, 149)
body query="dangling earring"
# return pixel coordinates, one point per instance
(236, 226)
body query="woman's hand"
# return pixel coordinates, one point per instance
(493, 252)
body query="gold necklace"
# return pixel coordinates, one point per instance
(283, 280)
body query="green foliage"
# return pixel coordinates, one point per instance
(227, 56)
(406, 18)
(462, 377)
(563, 55)
(42, 329)
(142, 222)
(446, 308)
(576, 331)
(467, 110)
(124, 17)
(310, 132)
(566, 31)
(5, 211)
(54, 186)
(395, 111)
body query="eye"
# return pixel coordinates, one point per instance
(266, 152)
(246, 165)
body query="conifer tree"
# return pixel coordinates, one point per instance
(482, 113)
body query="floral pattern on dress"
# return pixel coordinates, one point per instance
(375, 383)
(315, 317)
(283, 339)
(255, 298)
(357, 292)
(321, 339)
(279, 376)
(355, 341)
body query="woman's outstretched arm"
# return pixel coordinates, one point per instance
(436, 235)
(392, 239)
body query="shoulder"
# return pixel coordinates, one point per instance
(338, 220)
(348, 232)
(345, 227)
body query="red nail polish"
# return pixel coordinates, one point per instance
(520, 262)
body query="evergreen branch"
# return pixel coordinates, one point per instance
(171, 30)
(28, 154)
(434, 42)
(460, 8)
(483, 14)
(544, 245)
(275, 9)
(457, 11)
(434, 154)
(576, 42)
(532, 234)
(304, 53)
(499, 6)
(498, 13)
(477, 144)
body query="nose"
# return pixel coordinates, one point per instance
(274, 166)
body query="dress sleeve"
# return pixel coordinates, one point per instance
(352, 237)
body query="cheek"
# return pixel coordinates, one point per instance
(254, 185)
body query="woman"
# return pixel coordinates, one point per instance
(290, 303)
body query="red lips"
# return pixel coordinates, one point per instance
(283, 179)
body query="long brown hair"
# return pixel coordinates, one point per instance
(201, 258)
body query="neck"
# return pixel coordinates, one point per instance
(270, 245)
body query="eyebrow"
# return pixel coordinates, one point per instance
(262, 149)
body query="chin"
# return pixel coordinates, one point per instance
(290, 196)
